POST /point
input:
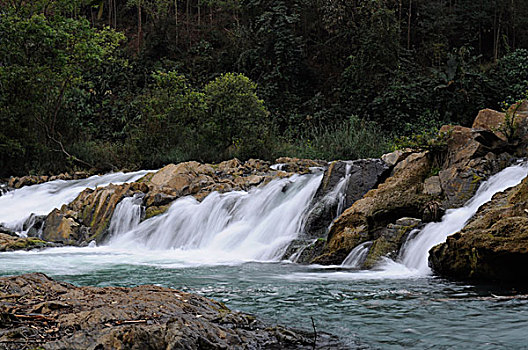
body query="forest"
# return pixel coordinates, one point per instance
(126, 84)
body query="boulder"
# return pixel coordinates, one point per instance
(60, 228)
(144, 317)
(88, 217)
(344, 182)
(179, 177)
(489, 121)
(467, 163)
(493, 246)
(401, 195)
(390, 240)
(10, 243)
(393, 158)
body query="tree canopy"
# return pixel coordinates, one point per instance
(140, 83)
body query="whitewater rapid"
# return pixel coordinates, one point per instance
(224, 229)
(18, 205)
(416, 251)
(236, 226)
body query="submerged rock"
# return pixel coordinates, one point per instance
(493, 246)
(38, 312)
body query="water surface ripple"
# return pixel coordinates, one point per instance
(362, 308)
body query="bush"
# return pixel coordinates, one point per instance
(237, 122)
(353, 139)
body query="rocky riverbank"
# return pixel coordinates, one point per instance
(16, 182)
(37, 312)
(422, 185)
(376, 202)
(493, 246)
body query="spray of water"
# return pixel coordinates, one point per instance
(357, 256)
(255, 225)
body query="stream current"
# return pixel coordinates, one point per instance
(398, 305)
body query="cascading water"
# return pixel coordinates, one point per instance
(255, 225)
(127, 215)
(18, 205)
(416, 251)
(341, 190)
(357, 256)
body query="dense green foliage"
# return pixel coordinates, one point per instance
(140, 83)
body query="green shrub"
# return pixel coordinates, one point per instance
(353, 139)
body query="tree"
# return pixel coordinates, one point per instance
(237, 120)
(43, 63)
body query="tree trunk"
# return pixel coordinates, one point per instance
(140, 29)
(409, 26)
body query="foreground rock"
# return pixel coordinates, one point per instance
(494, 244)
(38, 312)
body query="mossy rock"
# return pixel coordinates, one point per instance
(154, 211)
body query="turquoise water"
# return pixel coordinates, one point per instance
(386, 309)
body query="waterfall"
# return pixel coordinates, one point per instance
(357, 256)
(416, 251)
(17, 206)
(340, 190)
(238, 225)
(127, 215)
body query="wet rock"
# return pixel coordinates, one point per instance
(10, 243)
(88, 217)
(60, 228)
(390, 240)
(493, 246)
(303, 251)
(34, 224)
(144, 317)
(399, 196)
(344, 183)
